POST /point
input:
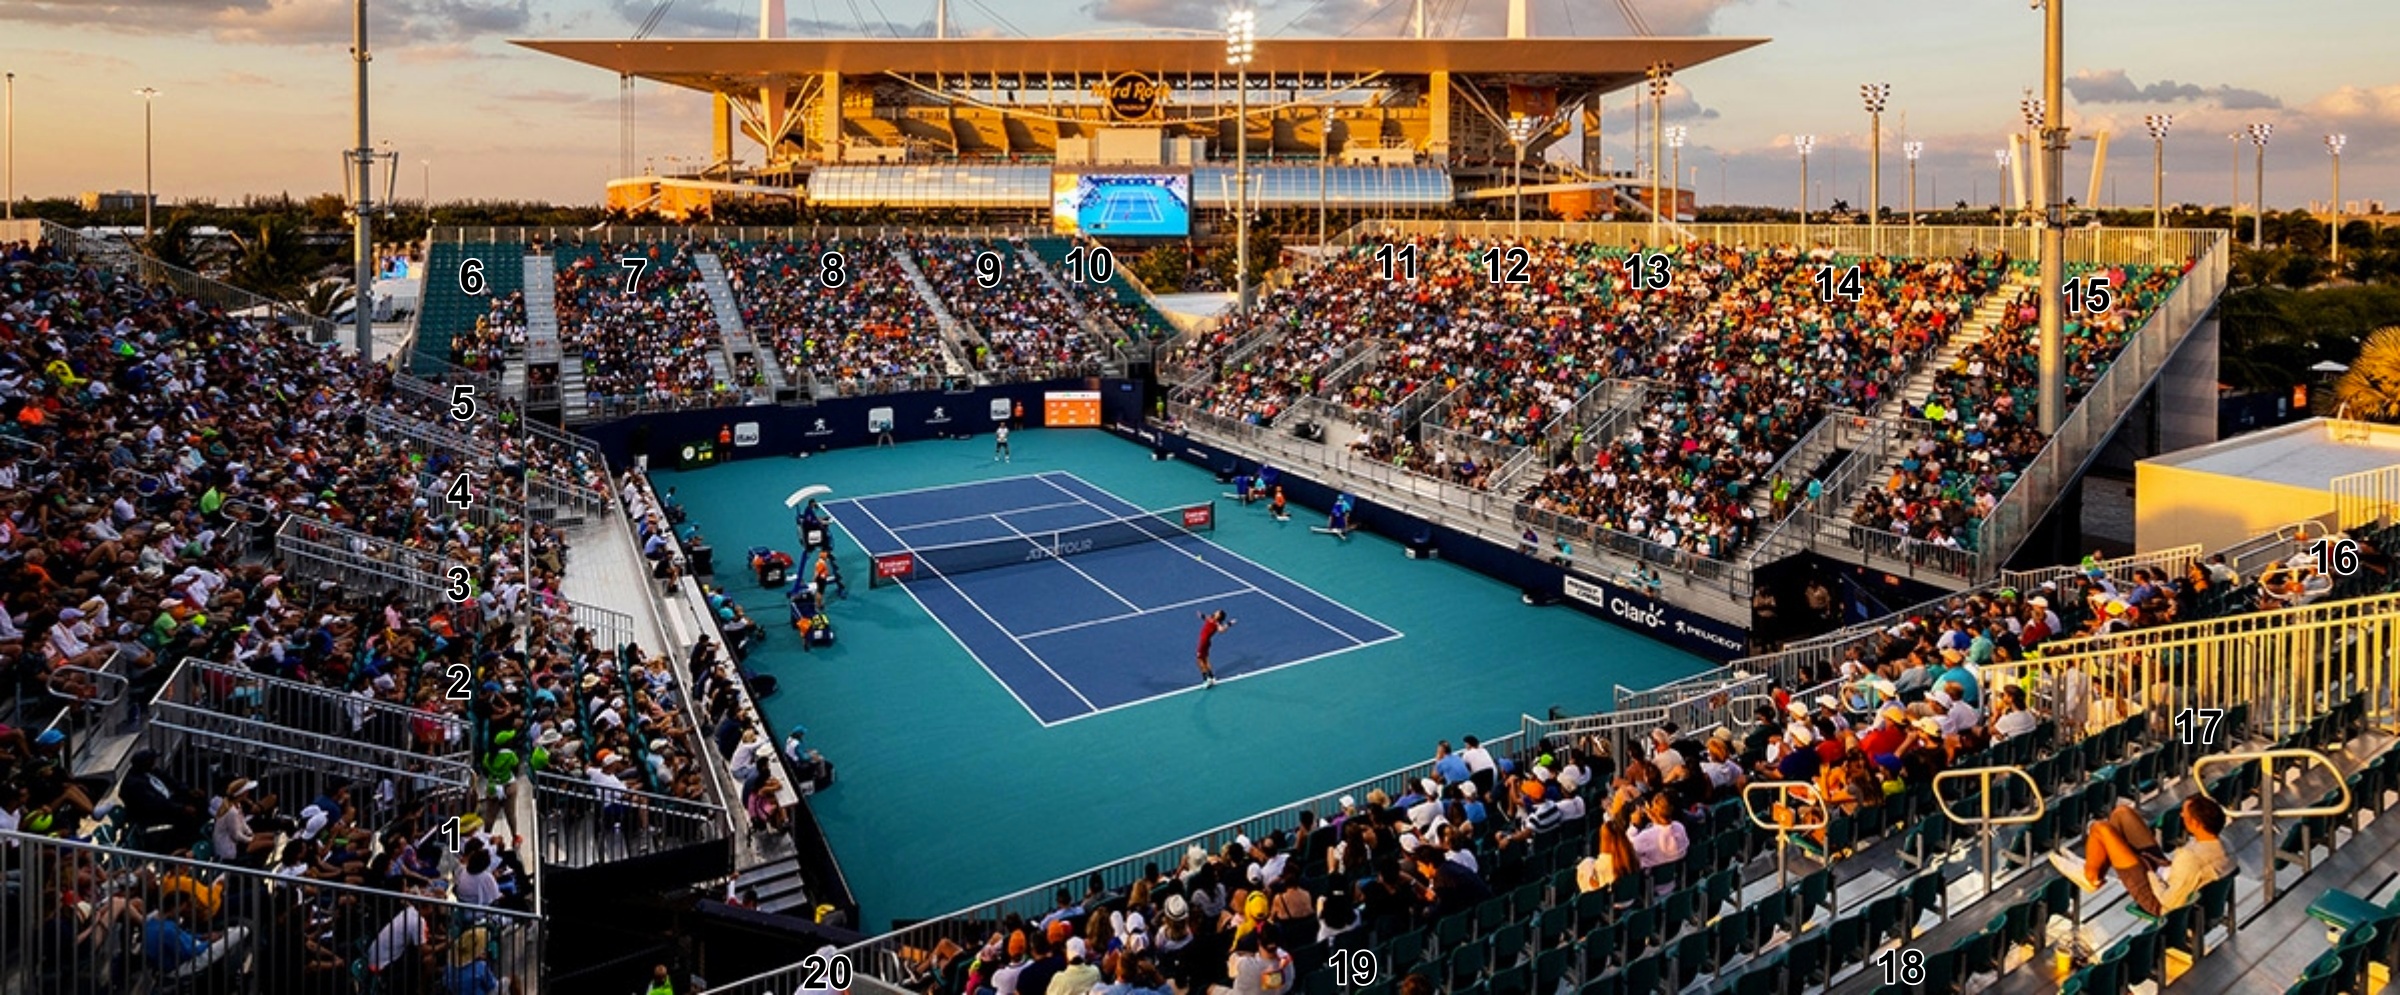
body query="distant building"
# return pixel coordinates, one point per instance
(120, 200)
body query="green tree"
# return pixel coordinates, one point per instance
(175, 243)
(273, 261)
(1163, 268)
(324, 297)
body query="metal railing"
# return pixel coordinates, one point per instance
(320, 550)
(2365, 499)
(970, 926)
(2266, 811)
(2087, 245)
(2173, 561)
(78, 912)
(1695, 710)
(231, 690)
(2285, 664)
(586, 825)
(611, 629)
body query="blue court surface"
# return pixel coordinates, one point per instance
(1072, 637)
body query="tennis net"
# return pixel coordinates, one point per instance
(1032, 547)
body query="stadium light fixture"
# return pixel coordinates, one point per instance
(2333, 147)
(149, 95)
(11, 155)
(1913, 151)
(1804, 143)
(1676, 136)
(1241, 46)
(2259, 134)
(2158, 125)
(1876, 96)
(1660, 74)
(1520, 131)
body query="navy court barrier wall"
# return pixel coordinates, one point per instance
(834, 423)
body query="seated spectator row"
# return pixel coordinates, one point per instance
(870, 327)
(1023, 321)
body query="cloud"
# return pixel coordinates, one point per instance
(238, 77)
(2113, 86)
(278, 22)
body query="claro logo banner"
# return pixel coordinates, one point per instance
(1661, 620)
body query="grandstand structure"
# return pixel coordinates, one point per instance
(1354, 125)
(409, 701)
(1470, 405)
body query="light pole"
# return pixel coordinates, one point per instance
(2052, 261)
(2259, 133)
(1675, 138)
(2000, 192)
(1658, 73)
(149, 190)
(1876, 95)
(1804, 143)
(2158, 125)
(2032, 107)
(428, 164)
(1520, 131)
(1241, 45)
(2233, 208)
(1913, 150)
(12, 147)
(2333, 147)
(362, 248)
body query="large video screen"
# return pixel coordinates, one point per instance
(1121, 203)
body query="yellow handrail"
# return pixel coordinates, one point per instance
(2265, 812)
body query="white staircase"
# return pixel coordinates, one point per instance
(735, 335)
(1989, 312)
(954, 332)
(542, 336)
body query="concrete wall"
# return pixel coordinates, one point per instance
(2173, 506)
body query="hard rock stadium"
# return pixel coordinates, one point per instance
(695, 608)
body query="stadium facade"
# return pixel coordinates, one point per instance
(1003, 124)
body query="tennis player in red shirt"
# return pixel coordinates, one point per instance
(1210, 625)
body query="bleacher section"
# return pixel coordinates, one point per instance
(1454, 393)
(446, 311)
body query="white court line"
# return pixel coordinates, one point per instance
(991, 514)
(1132, 615)
(945, 487)
(1062, 561)
(1262, 568)
(1162, 540)
(971, 654)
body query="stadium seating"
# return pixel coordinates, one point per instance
(445, 312)
(301, 680)
(870, 334)
(653, 347)
(1023, 323)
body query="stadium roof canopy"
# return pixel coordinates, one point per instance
(725, 65)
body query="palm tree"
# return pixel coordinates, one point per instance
(176, 244)
(324, 297)
(2371, 390)
(274, 262)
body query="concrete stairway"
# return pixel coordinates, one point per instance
(1910, 398)
(955, 333)
(735, 335)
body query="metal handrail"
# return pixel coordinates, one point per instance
(1986, 824)
(2266, 812)
(1784, 790)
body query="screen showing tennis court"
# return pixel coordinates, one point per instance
(1121, 203)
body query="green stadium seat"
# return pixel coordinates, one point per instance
(1679, 912)
(1689, 958)
(2320, 978)
(1639, 931)
(1814, 892)
(1602, 948)
(1640, 977)
(1508, 945)
(2343, 910)
(1761, 979)
(1884, 920)
(1721, 889)
(2145, 956)
(1591, 909)
(1516, 980)
(1452, 931)
(1846, 942)
(1927, 893)
(1733, 934)
(1490, 915)
(2103, 977)
(1527, 899)
(1553, 929)
(1463, 964)
(1551, 968)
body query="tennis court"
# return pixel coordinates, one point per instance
(1079, 602)
(1131, 205)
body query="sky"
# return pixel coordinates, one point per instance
(256, 95)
